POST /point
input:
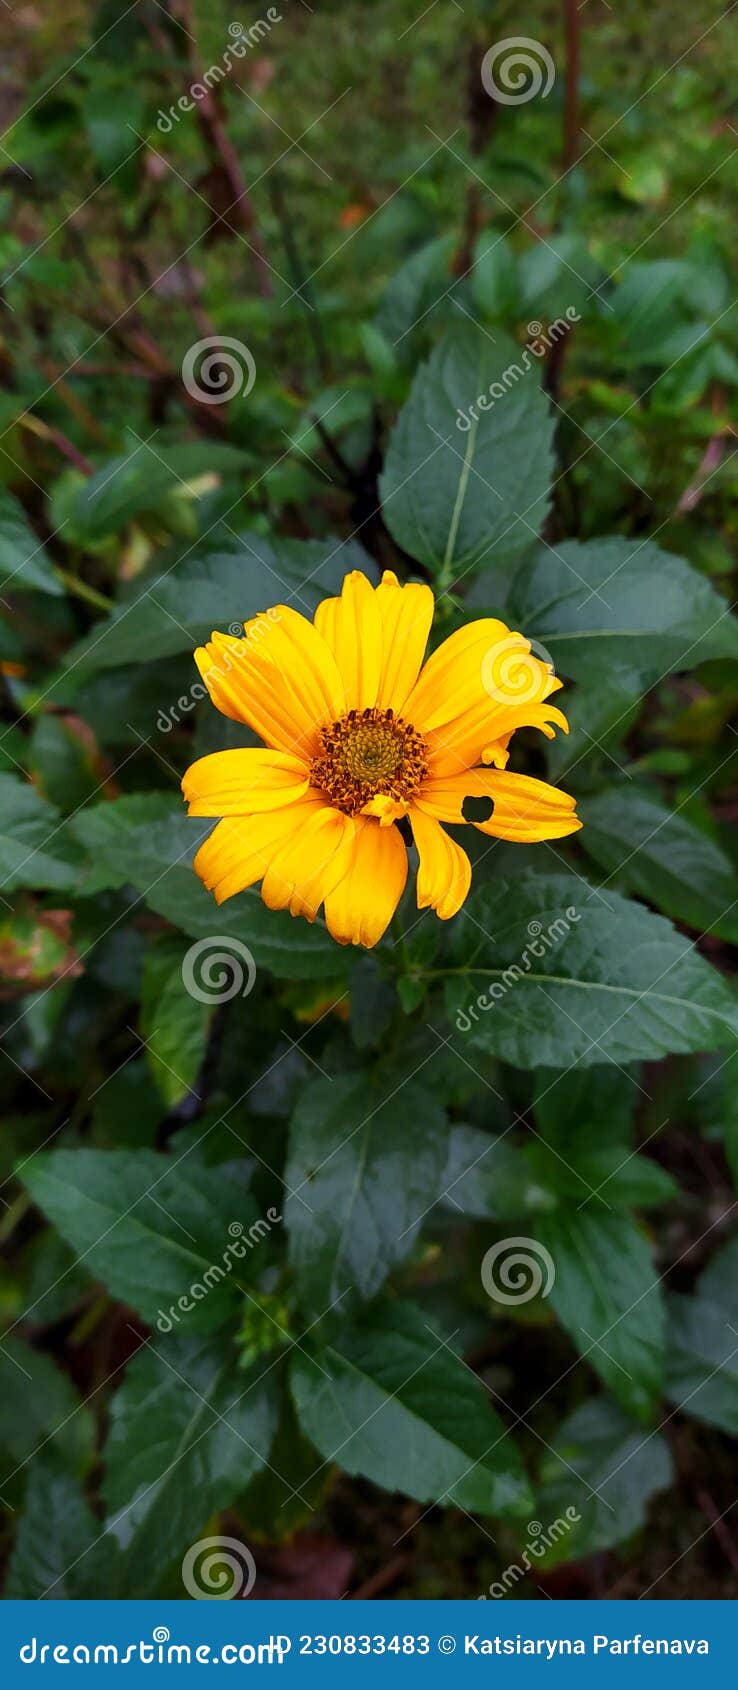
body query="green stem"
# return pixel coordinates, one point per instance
(83, 591)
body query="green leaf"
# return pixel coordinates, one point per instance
(616, 616)
(38, 1407)
(605, 1469)
(362, 1171)
(226, 581)
(702, 1361)
(148, 842)
(500, 1178)
(138, 480)
(495, 282)
(599, 981)
(663, 857)
(555, 274)
(152, 1229)
(572, 1105)
(489, 1178)
(414, 288)
(390, 1400)
(606, 1294)
(702, 1377)
(187, 1433)
(454, 496)
(35, 848)
(285, 1494)
(58, 1551)
(24, 565)
(174, 1024)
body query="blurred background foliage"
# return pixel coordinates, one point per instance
(347, 195)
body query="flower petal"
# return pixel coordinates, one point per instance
(444, 875)
(239, 850)
(407, 614)
(361, 906)
(482, 734)
(475, 690)
(524, 809)
(309, 862)
(451, 680)
(281, 678)
(352, 626)
(242, 782)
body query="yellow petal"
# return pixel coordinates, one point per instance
(481, 734)
(360, 908)
(240, 783)
(525, 809)
(451, 680)
(308, 863)
(444, 875)
(281, 678)
(407, 614)
(239, 850)
(352, 627)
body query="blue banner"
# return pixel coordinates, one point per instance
(407, 1643)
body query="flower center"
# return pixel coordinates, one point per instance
(365, 753)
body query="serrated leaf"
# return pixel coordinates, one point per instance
(604, 1468)
(24, 564)
(35, 847)
(389, 1399)
(613, 983)
(614, 603)
(187, 1433)
(150, 1228)
(605, 1292)
(455, 497)
(702, 1367)
(151, 848)
(174, 1023)
(58, 1551)
(662, 856)
(39, 1407)
(362, 1171)
(225, 581)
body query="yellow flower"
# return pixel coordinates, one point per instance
(359, 734)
